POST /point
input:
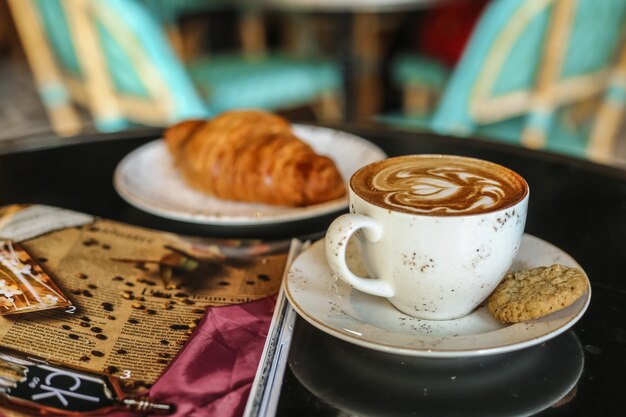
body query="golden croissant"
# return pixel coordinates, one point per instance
(252, 156)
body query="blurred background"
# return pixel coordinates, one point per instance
(543, 74)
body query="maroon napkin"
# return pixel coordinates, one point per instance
(213, 373)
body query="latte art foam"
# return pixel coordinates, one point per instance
(439, 185)
(451, 190)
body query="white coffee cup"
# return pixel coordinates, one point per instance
(436, 233)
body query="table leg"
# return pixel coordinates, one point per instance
(347, 59)
(363, 39)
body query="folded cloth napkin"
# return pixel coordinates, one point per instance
(213, 373)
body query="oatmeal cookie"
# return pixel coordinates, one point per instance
(533, 293)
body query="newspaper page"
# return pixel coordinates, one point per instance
(136, 294)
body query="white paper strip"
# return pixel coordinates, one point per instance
(37, 220)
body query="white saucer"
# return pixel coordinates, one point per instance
(147, 179)
(334, 307)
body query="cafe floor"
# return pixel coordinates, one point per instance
(22, 114)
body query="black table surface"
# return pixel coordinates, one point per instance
(574, 204)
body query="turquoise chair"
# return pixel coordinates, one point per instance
(144, 80)
(254, 79)
(170, 11)
(422, 81)
(529, 71)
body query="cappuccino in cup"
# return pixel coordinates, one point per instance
(436, 233)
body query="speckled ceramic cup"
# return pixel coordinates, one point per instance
(436, 233)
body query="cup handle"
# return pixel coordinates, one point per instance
(336, 242)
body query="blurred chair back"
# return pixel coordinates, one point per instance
(525, 61)
(114, 58)
(116, 61)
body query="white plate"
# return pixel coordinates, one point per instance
(147, 179)
(334, 307)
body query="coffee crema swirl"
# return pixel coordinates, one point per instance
(439, 185)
